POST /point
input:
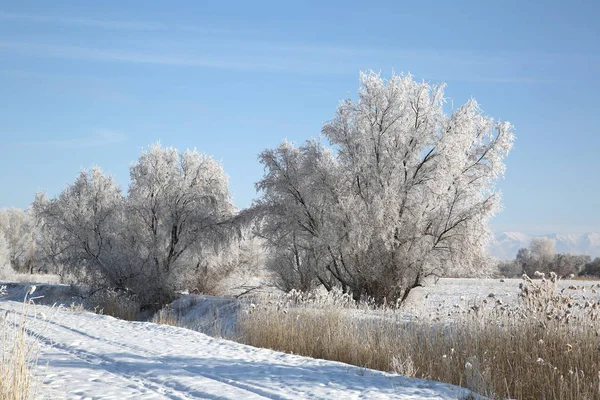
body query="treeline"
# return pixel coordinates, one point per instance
(395, 191)
(542, 257)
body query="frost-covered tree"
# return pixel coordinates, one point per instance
(570, 264)
(178, 207)
(591, 268)
(405, 193)
(19, 231)
(541, 257)
(5, 269)
(80, 229)
(524, 259)
(543, 249)
(298, 207)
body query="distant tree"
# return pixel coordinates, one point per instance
(525, 261)
(19, 231)
(591, 268)
(541, 257)
(543, 249)
(5, 269)
(510, 269)
(570, 264)
(407, 195)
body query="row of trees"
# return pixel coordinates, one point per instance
(394, 192)
(176, 213)
(542, 257)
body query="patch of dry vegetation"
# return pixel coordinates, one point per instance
(167, 316)
(108, 302)
(121, 307)
(35, 278)
(546, 347)
(18, 355)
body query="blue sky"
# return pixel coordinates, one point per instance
(92, 83)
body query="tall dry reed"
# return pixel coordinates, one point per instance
(18, 353)
(544, 347)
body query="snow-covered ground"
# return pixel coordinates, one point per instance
(457, 295)
(88, 356)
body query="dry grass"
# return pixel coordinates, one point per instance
(544, 348)
(106, 302)
(206, 319)
(36, 278)
(7, 274)
(120, 307)
(167, 316)
(18, 356)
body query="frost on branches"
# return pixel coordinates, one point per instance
(404, 192)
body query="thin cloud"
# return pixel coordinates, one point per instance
(500, 80)
(98, 139)
(126, 56)
(306, 59)
(300, 59)
(113, 25)
(544, 229)
(105, 24)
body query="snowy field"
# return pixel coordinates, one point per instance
(456, 295)
(88, 356)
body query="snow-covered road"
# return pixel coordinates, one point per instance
(89, 356)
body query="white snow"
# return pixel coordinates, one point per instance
(88, 356)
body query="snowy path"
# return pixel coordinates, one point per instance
(88, 356)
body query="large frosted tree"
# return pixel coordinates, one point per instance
(405, 193)
(178, 209)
